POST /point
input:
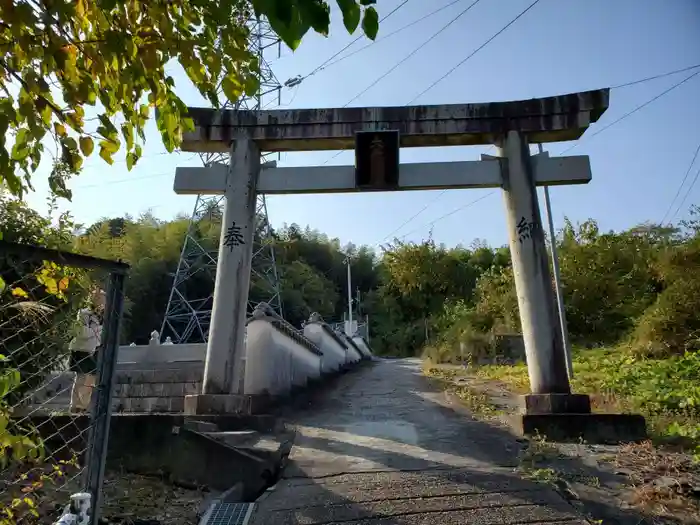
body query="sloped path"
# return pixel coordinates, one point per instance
(385, 448)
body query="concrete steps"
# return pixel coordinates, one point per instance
(271, 449)
(262, 455)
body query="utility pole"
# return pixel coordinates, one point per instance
(349, 326)
(557, 280)
(367, 327)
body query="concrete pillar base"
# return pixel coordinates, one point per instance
(226, 404)
(556, 404)
(591, 428)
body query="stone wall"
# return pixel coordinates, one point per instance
(156, 378)
(156, 391)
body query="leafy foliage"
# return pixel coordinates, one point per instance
(61, 58)
(18, 446)
(24, 467)
(428, 292)
(39, 300)
(665, 391)
(608, 280)
(670, 326)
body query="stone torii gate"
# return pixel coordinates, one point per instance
(376, 135)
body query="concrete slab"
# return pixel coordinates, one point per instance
(464, 508)
(385, 447)
(556, 404)
(164, 445)
(591, 428)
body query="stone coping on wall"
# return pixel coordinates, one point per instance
(364, 341)
(352, 343)
(148, 354)
(327, 328)
(265, 313)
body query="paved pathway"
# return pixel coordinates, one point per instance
(384, 448)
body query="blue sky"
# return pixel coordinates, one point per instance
(559, 46)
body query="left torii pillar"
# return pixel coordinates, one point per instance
(222, 389)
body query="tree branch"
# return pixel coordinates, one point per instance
(57, 111)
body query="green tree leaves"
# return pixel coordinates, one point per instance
(57, 59)
(351, 14)
(87, 145)
(370, 23)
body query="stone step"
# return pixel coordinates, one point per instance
(269, 447)
(235, 438)
(201, 426)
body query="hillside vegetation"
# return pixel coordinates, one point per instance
(635, 293)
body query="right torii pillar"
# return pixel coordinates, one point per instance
(549, 382)
(551, 409)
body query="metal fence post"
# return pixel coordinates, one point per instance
(102, 404)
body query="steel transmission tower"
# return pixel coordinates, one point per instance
(188, 313)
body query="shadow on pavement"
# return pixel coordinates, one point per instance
(386, 447)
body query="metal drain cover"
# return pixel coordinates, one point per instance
(227, 514)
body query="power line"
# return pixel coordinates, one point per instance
(414, 216)
(629, 113)
(407, 57)
(297, 80)
(687, 193)
(449, 214)
(680, 187)
(384, 37)
(119, 161)
(661, 75)
(401, 62)
(641, 106)
(634, 82)
(120, 181)
(697, 175)
(482, 46)
(443, 77)
(132, 179)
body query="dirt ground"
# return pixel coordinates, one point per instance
(648, 484)
(131, 499)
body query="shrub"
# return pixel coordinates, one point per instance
(671, 326)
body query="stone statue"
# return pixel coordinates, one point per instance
(155, 338)
(259, 311)
(168, 341)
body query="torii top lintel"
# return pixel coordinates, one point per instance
(551, 119)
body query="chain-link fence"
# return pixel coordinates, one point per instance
(59, 327)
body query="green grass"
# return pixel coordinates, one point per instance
(665, 391)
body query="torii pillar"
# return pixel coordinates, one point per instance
(222, 387)
(511, 126)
